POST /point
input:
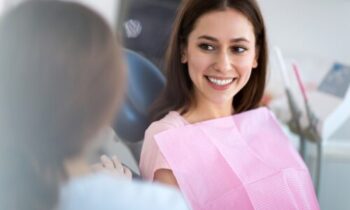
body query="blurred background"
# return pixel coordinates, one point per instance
(311, 34)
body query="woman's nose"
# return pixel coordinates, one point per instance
(224, 62)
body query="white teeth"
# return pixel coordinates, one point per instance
(220, 82)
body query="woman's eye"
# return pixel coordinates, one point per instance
(238, 49)
(207, 47)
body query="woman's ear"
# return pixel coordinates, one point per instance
(183, 58)
(183, 54)
(255, 62)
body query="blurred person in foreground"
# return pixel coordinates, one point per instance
(61, 81)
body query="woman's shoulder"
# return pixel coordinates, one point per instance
(172, 120)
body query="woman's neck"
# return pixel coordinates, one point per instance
(205, 110)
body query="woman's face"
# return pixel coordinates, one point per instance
(220, 55)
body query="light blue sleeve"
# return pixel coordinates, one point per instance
(151, 196)
(107, 193)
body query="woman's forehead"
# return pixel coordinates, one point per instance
(223, 24)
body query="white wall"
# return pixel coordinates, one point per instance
(316, 27)
(1, 6)
(314, 33)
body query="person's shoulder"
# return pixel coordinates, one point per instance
(172, 120)
(102, 191)
(85, 192)
(157, 196)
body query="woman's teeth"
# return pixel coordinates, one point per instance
(219, 81)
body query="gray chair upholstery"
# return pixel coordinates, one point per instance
(145, 82)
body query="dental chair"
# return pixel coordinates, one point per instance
(144, 84)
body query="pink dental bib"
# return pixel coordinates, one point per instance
(239, 162)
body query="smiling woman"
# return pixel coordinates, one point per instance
(216, 66)
(230, 35)
(210, 140)
(220, 54)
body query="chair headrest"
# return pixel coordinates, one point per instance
(145, 82)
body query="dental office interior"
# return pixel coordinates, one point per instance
(307, 85)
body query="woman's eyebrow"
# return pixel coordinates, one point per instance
(210, 38)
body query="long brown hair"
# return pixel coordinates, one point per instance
(178, 94)
(59, 84)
